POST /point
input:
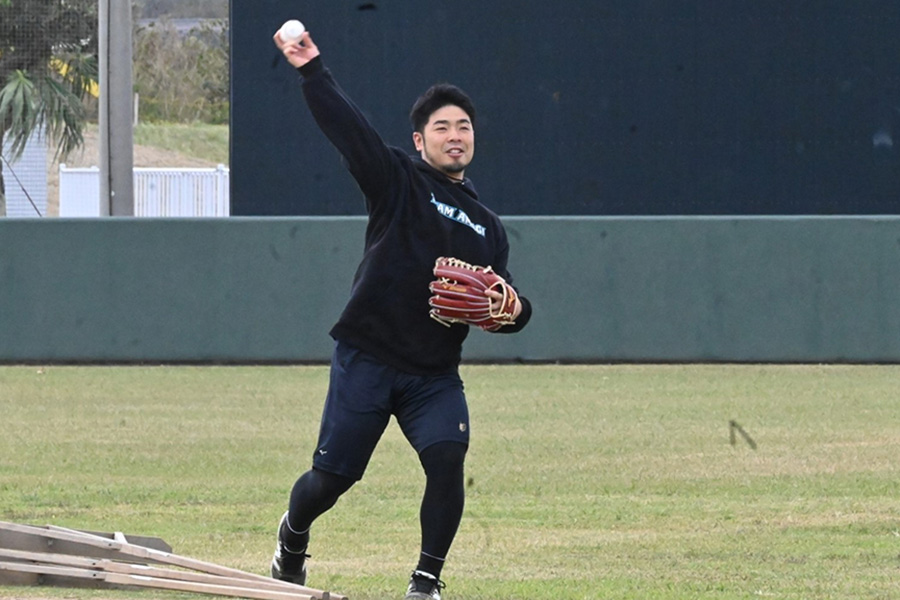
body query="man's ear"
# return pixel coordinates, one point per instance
(418, 140)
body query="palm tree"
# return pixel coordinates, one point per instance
(47, 68)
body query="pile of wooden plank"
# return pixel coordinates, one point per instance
(58, 556)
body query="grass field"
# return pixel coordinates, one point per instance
(199, 140)
(600, 482)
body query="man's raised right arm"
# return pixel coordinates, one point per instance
(368, 157)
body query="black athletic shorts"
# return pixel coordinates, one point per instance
(363, 393)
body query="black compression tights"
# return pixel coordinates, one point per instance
(313, 494)
(442, 505)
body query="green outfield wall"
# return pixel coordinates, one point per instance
(789, 289)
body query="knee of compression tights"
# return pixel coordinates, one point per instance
(313, 494)
(444, 457)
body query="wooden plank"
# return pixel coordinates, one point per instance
(153, 582)
(137, 540)
(50, 539)
(204, 588)
(37, 577)
(167, 558)
(110, 566)
(51, 570)
(35, 539)
(49, 557)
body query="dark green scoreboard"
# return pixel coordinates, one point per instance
(591, 107)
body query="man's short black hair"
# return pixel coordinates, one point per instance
(436, 97)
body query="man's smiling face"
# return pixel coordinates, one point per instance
(447, 142)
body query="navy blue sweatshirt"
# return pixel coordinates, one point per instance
(416, 214)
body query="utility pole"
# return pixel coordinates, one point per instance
(116, 133)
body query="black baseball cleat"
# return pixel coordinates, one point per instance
(288, 565)
(424, 586)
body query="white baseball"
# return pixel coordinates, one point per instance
(292, 31)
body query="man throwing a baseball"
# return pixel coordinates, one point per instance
(398, 342)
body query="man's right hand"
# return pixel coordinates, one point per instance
(297, 53)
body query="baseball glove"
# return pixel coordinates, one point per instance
(460, 295)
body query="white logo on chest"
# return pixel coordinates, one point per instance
(455, 214)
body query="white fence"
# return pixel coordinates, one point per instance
(157, 192)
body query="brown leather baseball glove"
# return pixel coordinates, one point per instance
(472, 295)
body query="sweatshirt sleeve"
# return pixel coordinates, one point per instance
(522, 320)
(500, 265)
(366, 155)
